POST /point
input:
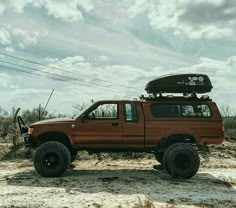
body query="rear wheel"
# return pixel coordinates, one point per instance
(181, 160)
(52, 159)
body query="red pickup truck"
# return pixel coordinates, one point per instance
(172, 128)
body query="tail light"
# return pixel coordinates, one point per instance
(223, 127)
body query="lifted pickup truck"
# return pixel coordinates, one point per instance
(172, 128)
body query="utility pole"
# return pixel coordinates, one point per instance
(13, 128)
(44, 110)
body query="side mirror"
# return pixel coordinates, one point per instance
(83, 118)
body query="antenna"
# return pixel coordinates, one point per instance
(47, 103)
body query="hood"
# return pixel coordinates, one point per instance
(51, 121)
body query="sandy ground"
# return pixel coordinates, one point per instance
(119, 183)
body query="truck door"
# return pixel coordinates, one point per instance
(101, 127)
(133, 125)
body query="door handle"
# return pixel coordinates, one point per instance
(115, 124)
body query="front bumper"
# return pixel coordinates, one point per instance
(28, 140)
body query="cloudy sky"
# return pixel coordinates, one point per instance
(90, 49)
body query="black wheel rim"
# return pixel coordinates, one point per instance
(182, 161)
(51, 160)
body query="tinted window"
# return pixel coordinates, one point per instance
(181, 110)
(165, 110)
(131, 112)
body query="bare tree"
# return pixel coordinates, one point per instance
(229, 116)
(79, 108)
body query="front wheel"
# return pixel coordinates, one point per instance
(159, 156)
(181, 160)
(73, 155)
(52, 159)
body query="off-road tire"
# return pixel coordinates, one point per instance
(52, 159)
(159, 156)
(182, 160)
(164, 159)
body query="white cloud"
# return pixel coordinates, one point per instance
(195, 19)
(64, 10)
(74, 59)
(5, 80)
(87, 5)
(10, 49)
(51, 60)
(210, 32)
(26, 37)
(13, 5)
(69, 11)
(140, 6)
(5, 38)
(77, 67)
(101, 58)
(21, 37)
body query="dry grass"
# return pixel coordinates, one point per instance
(216, 204)
(18, 152)
(147, 203)
(230, 134)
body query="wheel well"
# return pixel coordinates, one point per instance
(54, 136)
(183, 138)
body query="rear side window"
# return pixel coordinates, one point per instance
(181, 110)
(165, 110)
(203, 111)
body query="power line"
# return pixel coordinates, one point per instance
(41, 51)
(45, 52)
(19, 70)
(62, 76)
(34, 62)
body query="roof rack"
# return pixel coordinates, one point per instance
(189, 97)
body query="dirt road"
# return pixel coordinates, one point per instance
(117, 183)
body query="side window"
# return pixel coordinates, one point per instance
(180, 110)
(203, 111)
(165, 110)
(104, 111)
(188, 111)
(131, 112)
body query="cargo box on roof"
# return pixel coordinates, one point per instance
(180, 83)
